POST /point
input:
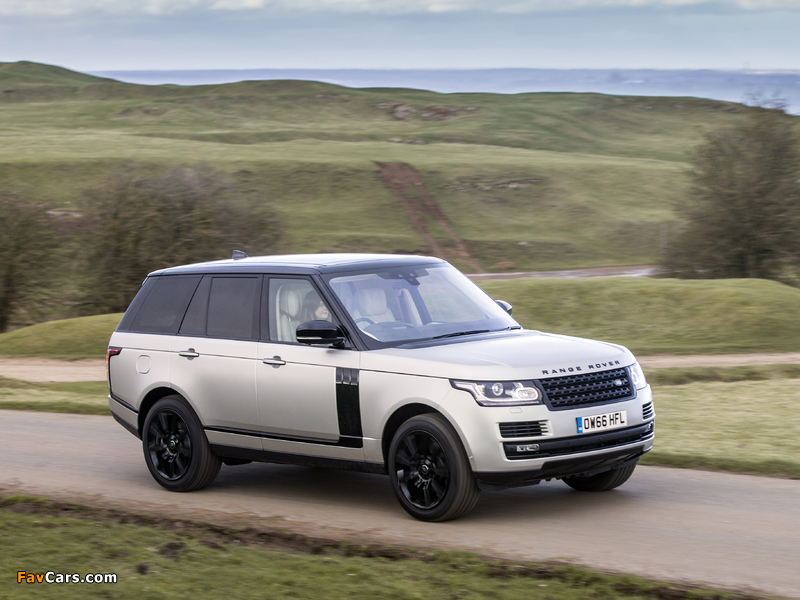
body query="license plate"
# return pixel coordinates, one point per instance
(601, 422)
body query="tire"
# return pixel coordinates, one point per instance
(607, 480)
(430, 474)
(175, 447)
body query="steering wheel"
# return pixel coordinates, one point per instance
(366, 319)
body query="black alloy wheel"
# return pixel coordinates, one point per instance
(429, 470)
(169, 444)
(176, 448)
(422, 470)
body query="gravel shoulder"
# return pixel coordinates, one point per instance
(50, 370)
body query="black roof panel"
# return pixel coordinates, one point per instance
(302, 264)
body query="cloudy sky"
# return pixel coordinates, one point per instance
(94, 35)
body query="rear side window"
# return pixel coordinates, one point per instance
(163, 309)
(225, 307)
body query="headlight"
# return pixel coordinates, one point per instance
(637, 376)
(501, 393)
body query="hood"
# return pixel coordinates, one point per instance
(517, 355)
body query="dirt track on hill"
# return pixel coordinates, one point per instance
(406, 185)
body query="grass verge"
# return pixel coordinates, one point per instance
(683, 375)
(738, 425)
(82, 337)
(746, 426)
(84, 397)
(157, 557)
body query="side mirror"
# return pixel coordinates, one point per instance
(504, 305)
(320, 333)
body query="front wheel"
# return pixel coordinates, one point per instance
(175, 447)
(429, 470)
(607, 480)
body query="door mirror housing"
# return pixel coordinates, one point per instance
(320, 333)
(504, 305)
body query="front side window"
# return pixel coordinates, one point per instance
(408, 304)
(293, 302)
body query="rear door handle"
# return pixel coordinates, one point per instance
(275, 361)
(190, 353)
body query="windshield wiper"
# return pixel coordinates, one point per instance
(458, 333)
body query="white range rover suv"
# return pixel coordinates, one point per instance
(377, 363)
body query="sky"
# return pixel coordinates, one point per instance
(102, 35)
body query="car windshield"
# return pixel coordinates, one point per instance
(407, 304)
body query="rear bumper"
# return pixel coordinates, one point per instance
(124, 414)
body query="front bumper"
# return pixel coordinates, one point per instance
(506, 446)
(565, 467)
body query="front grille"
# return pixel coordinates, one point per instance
(524, 429)
(582, 389)
(647, 411)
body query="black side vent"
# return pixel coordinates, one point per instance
(524, 429)
(647, 411)
(599, 387)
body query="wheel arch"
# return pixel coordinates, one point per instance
(149, 400)
(400, 416)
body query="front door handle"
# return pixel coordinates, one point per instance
(190, 353)
(275, 361)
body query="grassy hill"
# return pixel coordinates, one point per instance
(649, 316)
(528, 181)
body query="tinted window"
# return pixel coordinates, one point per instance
(133, 309)
(233, 304)
(194, 323)
(163, 309)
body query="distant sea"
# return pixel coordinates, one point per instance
(733, 86)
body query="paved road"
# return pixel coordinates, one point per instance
(721, 529)
(637, 271)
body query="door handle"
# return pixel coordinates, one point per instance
(275, 361)
(190, 353)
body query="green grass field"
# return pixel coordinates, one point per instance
(534, 181)
(170, 558)
(660, 316)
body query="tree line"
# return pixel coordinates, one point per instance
(141, 218)
(741, 216)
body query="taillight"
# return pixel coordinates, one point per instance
(112, 351)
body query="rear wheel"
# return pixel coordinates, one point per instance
(429, 470)
(607, 480)
(175, 447)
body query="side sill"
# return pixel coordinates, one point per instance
(344, 441)
(126, 425)
(304, 460)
